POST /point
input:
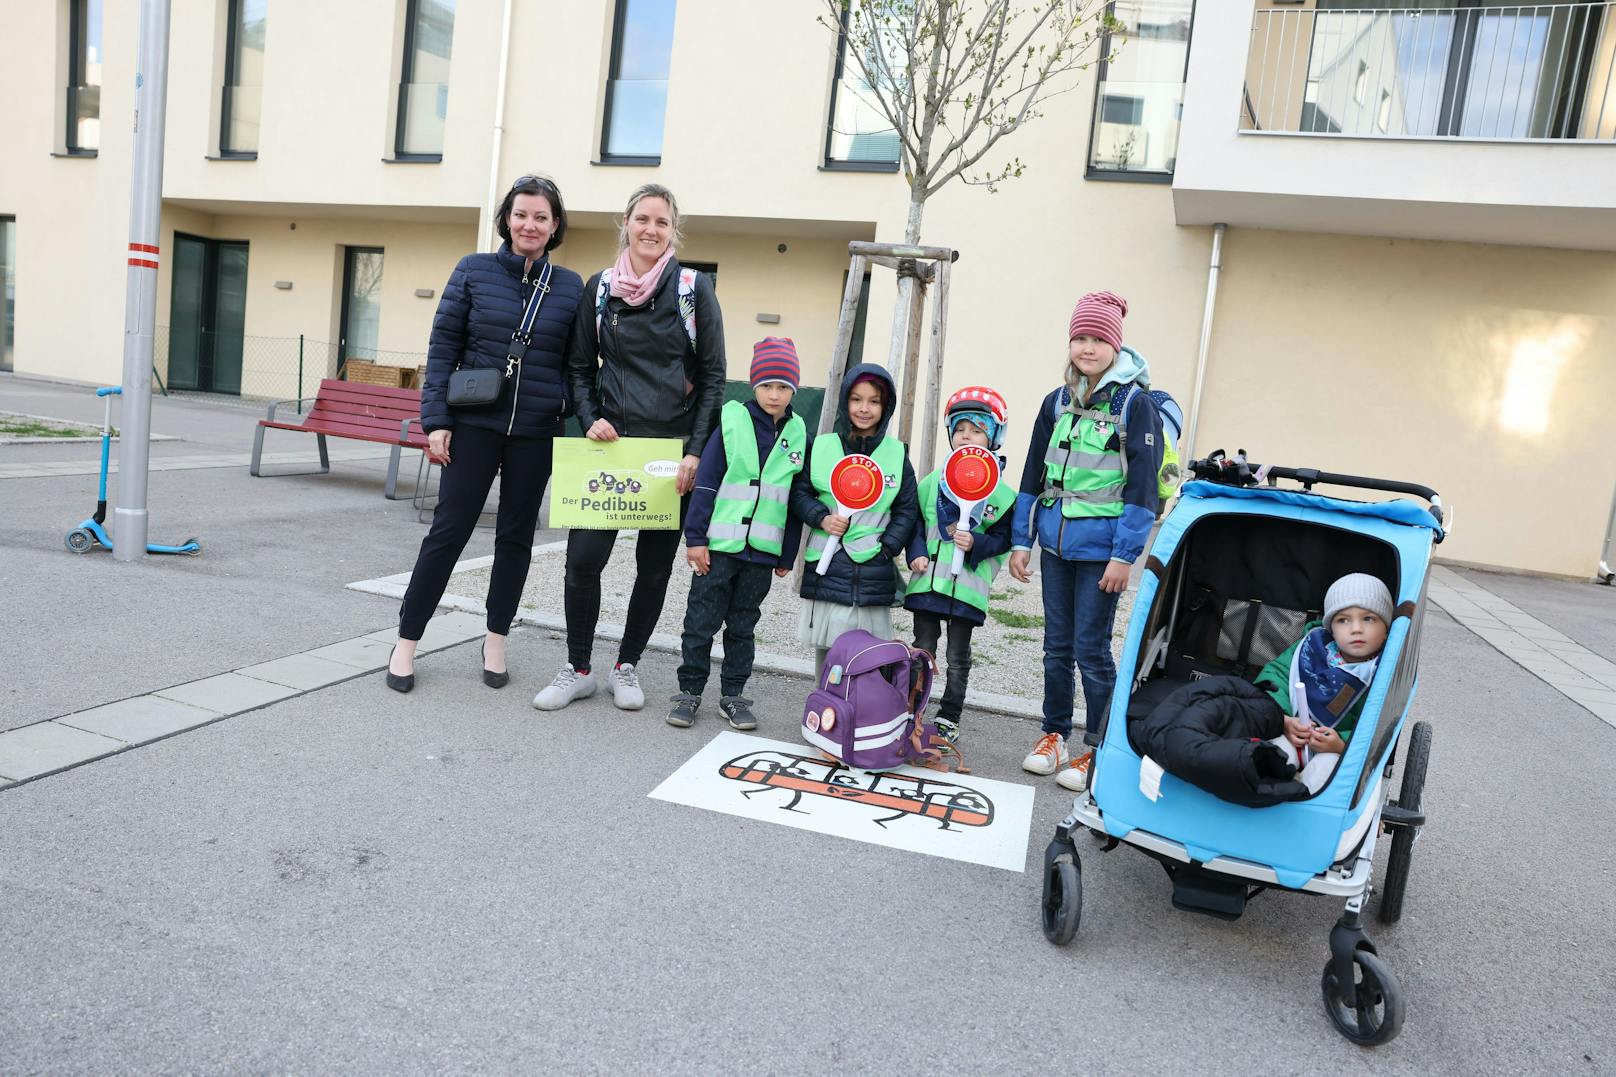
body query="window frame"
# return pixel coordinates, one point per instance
(233, 11)
(77, 45)
(613, 65)
(406, 70)
(1123, 175)
(827, 163)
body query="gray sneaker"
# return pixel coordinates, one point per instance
(739, 713)
(568, 685)
(683, 712)
(624, 682)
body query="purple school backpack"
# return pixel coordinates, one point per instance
(869, 709)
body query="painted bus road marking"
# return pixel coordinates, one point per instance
(961, 817)
(905, 795)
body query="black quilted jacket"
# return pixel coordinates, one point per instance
(481, 306)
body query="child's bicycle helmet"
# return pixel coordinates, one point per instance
(982, 406)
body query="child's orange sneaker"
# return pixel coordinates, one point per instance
(1075, 776)
(1047, 756)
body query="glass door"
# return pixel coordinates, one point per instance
(361, 305)
(207, 315)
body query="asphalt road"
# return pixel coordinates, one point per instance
(352, 880)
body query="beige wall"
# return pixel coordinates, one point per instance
(745, 126)
(1484, 372)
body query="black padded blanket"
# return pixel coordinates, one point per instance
(1210, 733)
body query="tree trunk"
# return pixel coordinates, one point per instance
(906, 289)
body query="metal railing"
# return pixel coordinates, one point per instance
(1498, 73)
(251, 369)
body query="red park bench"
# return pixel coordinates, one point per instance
(345, 409)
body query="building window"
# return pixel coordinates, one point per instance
(637, 90)
(1140, 91)
(859, 136)
(1443, 70)
(243, 79)
(8, 286)
(423, 91)
(84, 76)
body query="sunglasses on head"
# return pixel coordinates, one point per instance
(539, 181)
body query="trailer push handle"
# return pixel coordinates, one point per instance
(1238, 471)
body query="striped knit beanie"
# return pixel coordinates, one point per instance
(1099, 315)
(774, 359)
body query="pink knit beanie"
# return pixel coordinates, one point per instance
(1099, 315)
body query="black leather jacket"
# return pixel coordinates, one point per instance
(639, 373)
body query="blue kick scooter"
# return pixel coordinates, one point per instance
(90, 534)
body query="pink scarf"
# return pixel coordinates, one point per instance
(637, 291)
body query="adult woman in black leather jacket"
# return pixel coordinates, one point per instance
(653, 367)
(482, 306)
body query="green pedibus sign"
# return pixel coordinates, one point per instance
(622, 485)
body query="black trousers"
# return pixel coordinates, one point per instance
(730, 596)
(928, 630)
(587, 555)
(475, 456)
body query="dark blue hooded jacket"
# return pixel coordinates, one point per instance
(876, 581)
(481, 307)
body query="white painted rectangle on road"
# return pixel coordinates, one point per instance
(959, 816)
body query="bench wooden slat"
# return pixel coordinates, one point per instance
(351, 435)
(355, 388)
(343, 407)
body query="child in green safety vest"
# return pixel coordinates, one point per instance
(975, 416)
(860, 583)
(739, 529)
(1088, 499)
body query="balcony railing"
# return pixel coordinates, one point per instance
(1509, 73)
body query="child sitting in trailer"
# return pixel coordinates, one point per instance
(1321, 681)
(1281, 737)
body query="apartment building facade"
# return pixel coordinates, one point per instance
(1416, 272)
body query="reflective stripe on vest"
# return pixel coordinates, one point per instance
(750, 509)
(863, 539)
(973, 585)
(1079, 471)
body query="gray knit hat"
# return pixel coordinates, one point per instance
(1358, 589)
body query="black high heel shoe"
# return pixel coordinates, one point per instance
(394, 681)
(490, 678)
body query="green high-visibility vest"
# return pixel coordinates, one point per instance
(863, 539)
(1079, 470)
(751, 506)
(973, 585)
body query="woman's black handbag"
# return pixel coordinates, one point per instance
(481, 387)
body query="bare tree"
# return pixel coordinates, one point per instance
(953, 77)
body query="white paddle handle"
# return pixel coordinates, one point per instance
(967, 520)
(833, 545)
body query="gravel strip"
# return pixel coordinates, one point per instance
(1007, 653)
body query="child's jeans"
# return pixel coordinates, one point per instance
(1078, 617)
(1318, 768)
(928, 631)
(730, 595)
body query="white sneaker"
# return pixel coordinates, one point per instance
(568, 685)
(1047, 756)
(625, 685)
(1076, 776)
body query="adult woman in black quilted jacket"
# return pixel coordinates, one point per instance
(643, 361)
(482, 306)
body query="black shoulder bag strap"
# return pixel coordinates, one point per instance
(523, 336)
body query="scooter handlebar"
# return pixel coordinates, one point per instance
(110, 390)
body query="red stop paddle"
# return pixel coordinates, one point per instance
(970, 476)
(856, 483)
